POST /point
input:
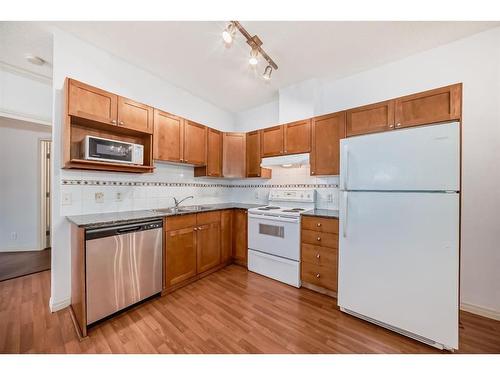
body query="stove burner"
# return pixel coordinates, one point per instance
(268, 208)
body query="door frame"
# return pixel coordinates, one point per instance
(45, 177)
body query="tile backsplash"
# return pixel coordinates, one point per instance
(84, 192)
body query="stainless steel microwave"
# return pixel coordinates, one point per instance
(110, 150)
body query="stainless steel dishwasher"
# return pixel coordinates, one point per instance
(123, 266)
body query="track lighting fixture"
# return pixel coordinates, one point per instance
(267, 73)
(255, 44)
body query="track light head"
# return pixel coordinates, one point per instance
(267, 73)
(254, 54)
(228, 34)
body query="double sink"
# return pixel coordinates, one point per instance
(184, 209)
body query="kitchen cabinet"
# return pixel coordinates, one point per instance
(319, 254)
(253, 157)
(135, 115)
(234, 155)
(180, 255)
(213, 168)
(92, 103)
(438, 105)
(292, 138)
(297, 137)
(226, 233)
(179, 140)
(327, 131)
(371, 118)
(272, 141)
(208, 246)
(240, 239)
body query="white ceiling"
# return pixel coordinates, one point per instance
(191, 54)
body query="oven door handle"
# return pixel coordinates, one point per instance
(275, 218)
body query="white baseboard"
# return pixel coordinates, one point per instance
(480, 310)
(59, 305)
(17, 250)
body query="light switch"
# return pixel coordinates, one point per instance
(99, 197)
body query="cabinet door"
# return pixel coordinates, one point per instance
(168, 136)
(297, 137)
(371, 118)
(195, 143)
(208, 246)
(240, 240)
(135, 115)
(253, 158)
(233, 155)
(214, 153)
(180, 255)
(272, 141)
(443, 104)
(92, 103)
(226, 235)
(327, 131)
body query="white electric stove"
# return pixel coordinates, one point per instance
(274, 234)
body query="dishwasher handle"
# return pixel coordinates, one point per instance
(116, 230)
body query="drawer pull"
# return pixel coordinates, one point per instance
(318, 256)
(318, 225)
(317, 275)
(319, 238)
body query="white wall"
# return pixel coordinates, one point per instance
(475, 61)
(258, 117)
(20, 184)
(25, 96)
(82, 61)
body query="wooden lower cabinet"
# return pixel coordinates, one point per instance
(208, 246)
(240, 237)
(319, 254)
(180, 255)
(226, 234)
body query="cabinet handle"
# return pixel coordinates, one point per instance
(317, 275)
(312, 172)
(391, 126)
(200, 228)
(113, 122)
(318, 225)
(121, 122)
(195, 228)
(318, 256)
(398, 125)
(319, 238)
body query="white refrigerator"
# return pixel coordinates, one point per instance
(399, 231)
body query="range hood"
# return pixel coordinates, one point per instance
(286, 161)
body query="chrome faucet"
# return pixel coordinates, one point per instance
(177, 203)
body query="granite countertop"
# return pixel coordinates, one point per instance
(112, 218)
(322, 213)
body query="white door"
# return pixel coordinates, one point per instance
(422, 158)
(399, 260)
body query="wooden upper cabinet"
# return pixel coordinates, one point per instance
(208, 246)
(253, 158)
(297, 137)
(327, 131)
(371, 118)
(442, 104)
(214, 153)
(195, 143)
(233, 155)
(135, 115)
(168, 137)
(272, 141)
(92, 103)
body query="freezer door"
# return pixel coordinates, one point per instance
(421, 158)
(399, 261)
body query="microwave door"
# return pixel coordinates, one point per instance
(106, 150)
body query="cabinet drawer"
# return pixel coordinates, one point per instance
(320, 224)
(208, 217)
(324, 276)
(319, 255)
(319, 238)
(181, 221)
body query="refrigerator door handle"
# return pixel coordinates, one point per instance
(346, 210)
(344, 175)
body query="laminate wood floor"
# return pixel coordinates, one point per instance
(230, 311)
(20, 263)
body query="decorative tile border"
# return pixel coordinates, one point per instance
(193, 184)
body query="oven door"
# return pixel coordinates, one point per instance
(109, 150)
(278, 236)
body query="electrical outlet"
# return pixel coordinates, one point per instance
(119, 196)
(256, 195)
(329, 198)
(13, 236)
(66, 199)
(99, 197)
